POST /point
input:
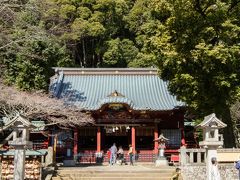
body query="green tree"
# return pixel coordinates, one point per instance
(31, 53)
(86, 26)
(146, 21)
(119, 53)
(198, 52)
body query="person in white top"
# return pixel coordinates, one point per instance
(120, 154)
(130, 153)
(215, 175)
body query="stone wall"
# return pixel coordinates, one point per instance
(227, 172)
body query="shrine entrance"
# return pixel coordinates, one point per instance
(128, 106)
(121, 135)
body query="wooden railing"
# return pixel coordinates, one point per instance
(39, 145)
(91, 157)
(141, 156)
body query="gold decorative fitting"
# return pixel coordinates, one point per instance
(115, 94)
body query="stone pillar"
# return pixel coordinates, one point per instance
(49, 157)
(75, 143)
(199, 157)
(19, 163)
(155, 137)
(14, 134)
(191, 156)
(98, 139)
(133, 140)
(20, 143)
(27, 135)
(24, 134)
(183, 157)
(210, 142)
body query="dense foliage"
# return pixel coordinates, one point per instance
(195, 44)
(199, 50)
(27, 51)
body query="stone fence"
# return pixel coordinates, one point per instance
(192, 156)
(192, 163)
(198, 156)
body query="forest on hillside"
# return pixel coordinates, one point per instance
(194, 44)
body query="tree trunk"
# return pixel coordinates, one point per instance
(235, 115)
(228, 132)
(93, 54)
(84, 53)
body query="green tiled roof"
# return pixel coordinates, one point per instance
(40, 125)
(141, 89)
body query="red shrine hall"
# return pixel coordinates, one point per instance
(129, 106)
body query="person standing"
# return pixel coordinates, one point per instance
(215, 175)
(130, 153)
(121, 154)
(113, 155)
(237, 166)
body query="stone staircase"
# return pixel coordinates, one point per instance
(117, 173)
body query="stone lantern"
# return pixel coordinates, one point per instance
(211, 138)
(21, 128)
(161, 148)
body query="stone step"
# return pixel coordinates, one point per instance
(116, 175)
(110, 178)
(114, 172)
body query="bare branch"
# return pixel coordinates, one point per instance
(38, 105)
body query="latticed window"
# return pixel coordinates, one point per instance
(174, 136)
(87, 131)
(144, 131)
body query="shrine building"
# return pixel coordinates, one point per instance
(129, 106)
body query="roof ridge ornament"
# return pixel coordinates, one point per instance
(115, 94)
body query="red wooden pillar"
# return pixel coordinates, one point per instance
(155, 137)
(75, 142)
(133, 140)
(181, 126)
(99, 139)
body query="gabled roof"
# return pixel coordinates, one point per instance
(140, 89)
(18, 119)
(211, 121)
(40, 126)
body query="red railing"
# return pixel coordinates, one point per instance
(140, 156)
(40, 145)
